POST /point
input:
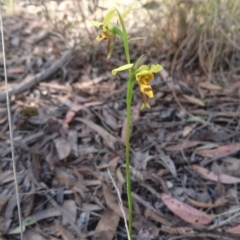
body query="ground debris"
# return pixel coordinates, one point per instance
(69, 121)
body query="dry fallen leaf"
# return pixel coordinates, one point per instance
(109, 119)
(145, 228)
(188, 129)
(234, 230)
(178, 230)
(70, 207)
(38, 216)
(186, 212)
(156, 217)
(28, 234)
(63, 147)
(182, 146)
(75, 108)
(67, 235)
(233, 87)
(194, 100)
(210, 86)
(107, 225)
(16, 70)
(218, 203)
(112, 202)
(109, 139)
(209, 175)
(6, 176)
(169, 164)
(219, 152)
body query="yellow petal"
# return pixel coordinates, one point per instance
(96, 24)
(146, 89)
(122, 68)
(143, 67)
(156, 68)
(144, 76)
(99, 39)
(108, 17)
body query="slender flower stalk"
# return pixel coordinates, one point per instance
(142, 75)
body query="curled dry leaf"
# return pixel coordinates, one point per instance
(209, 175)
(194, 100)
(186, 212)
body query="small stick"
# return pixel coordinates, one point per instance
(25, 85)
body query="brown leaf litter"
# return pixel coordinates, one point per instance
(68, 117)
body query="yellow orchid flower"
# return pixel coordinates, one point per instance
(108, 31)
(143, 76)
(104, 26)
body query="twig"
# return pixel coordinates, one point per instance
(120, 204)
(6, 96)
(224, 222)
(23, 86)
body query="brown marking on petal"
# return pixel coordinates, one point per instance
(147, 89)
(144, 98)
(101, 27)
(105, 35)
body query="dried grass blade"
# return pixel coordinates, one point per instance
(10, 125)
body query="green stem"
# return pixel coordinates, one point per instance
(128, 172)
(123, 35)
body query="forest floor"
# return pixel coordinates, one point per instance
(69, 121)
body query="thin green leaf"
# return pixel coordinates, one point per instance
(122, 68)
(108, 17)
(137, 62)
(124, 37)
